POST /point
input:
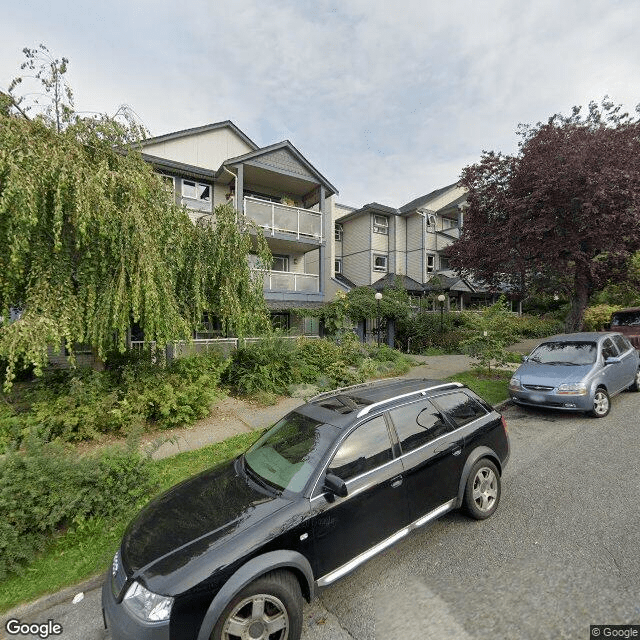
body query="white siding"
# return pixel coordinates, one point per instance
(356, 256)
(414, 247)
(208, 149)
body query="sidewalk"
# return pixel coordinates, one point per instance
(232, 416)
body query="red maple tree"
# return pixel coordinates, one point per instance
(563, 215)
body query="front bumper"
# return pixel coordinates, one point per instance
(552, 400)
(123, 625)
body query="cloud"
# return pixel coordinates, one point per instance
(389, 101)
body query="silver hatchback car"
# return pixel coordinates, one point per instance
(577, 372)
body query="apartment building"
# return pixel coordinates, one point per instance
(376, 242)
(277, 188)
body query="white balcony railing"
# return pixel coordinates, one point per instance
(281, 218)
(289, 281)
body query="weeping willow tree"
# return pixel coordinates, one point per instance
(91, 241)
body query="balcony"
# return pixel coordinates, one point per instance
(290, 282)
(284, 220)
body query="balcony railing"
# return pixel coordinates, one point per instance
(289, 281)
(281, 218)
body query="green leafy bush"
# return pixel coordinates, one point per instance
(45, 489)
(598, 317)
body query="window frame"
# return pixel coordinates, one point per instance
(338, 231)
(384, 269)
(431, 257)
(337, 266)
(197, 186)
(380, 224)
(285, 260)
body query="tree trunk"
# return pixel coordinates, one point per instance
(579, 302)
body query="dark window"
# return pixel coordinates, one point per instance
(608, 349)
(622, 344)
(625, 319)
(365, 449)
(417, 424)
(379, 262)
(460, 407)
(280, 321)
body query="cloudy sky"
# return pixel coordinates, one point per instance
(389, 100)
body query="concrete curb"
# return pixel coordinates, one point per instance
(51, 600)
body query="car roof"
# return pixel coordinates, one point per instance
(584, 336)
(341, 407)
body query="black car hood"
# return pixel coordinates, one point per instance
(200, 512)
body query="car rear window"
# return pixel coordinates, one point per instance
(625, 319)
(461, 408)
(417, 424)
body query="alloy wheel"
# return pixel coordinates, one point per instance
(258, 617)
(600, 403)
(485, 489)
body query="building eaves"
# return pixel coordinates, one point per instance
(180, 168)
(372, 207)
(284, 144)
(285, 305)
(203, 129)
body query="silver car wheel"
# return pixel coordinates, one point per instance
(485, 489)
(257, 617)
(600, 403)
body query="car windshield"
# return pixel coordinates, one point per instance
(569, 353)
(286, 456)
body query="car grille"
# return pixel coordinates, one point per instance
(536, 387)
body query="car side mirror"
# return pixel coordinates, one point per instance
(525, 358)
(335, 485)
(611, 360)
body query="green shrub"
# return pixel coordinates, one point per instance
(45, 489)
(268, 365)
(598, 317)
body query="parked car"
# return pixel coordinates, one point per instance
(627, 322)
(577, 372)
(232, 552)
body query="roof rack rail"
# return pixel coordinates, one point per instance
(361, 385)
(364, 411)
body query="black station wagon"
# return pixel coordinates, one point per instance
(232, 552)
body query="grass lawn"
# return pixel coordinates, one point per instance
(88, 550)
(488, 384)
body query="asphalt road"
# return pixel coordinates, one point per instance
(561, 552)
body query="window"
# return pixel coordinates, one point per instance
(311, 326)
(444, 263)
(379, 262)
(280, 263)
(338, 265)
(460, 408)
(196, 190)
(338, 232)
(381, 224)
(365, 449)
(608, 350)
(431, 263)
(622, 344)
(417, 424)
(280, 321)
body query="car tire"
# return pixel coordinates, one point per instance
(483, 489)
(601, 403)
(635, 385)
(266, 606)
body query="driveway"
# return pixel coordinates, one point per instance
(560, 553)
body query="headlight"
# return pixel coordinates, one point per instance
(573, 389)
(146, 605)
(514, 384)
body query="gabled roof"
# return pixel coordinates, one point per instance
(203, 129)
(390, 280)
(450, 281)
(372, 207)
(426, 199)
(345, 281)
(287, 145)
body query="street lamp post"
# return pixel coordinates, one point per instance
(378, 297)
(441, 300)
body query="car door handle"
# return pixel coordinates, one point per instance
(396, 482)
(455, 450)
